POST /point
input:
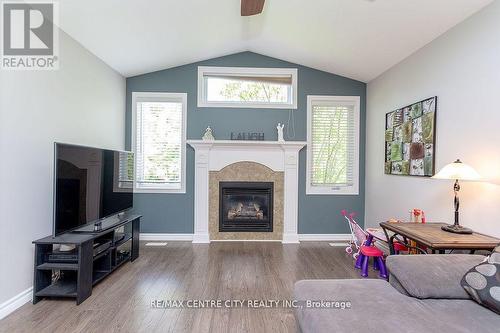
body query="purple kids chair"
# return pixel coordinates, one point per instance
(363, 242)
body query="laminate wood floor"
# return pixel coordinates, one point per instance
(182, 271)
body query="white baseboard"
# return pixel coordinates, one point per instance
(325, 237)
(202, 238)
(165, 237)
(246, 240)
(15, 302)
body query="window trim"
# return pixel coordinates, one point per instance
(160, 96)
(202, 89)
(329, 190)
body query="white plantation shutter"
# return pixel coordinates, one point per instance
(160, 141)
(333, 140)
(275, 79)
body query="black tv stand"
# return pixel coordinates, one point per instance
(75, 277)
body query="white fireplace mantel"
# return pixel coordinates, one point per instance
(217, 154)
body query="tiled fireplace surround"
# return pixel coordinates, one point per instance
(228, 160)
(245, 172)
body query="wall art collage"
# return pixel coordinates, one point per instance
(410, 134)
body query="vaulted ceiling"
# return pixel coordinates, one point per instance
(359, 39)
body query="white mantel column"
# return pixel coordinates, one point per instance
(201, 190)
(291, 197)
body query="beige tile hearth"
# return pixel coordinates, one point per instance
(246, 171)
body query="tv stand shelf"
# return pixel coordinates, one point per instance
(100, 255)
(57, 265)
(59, 289)
(76, 278)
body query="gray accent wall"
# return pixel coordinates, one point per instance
(318, 214)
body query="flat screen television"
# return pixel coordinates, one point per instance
(90, 184)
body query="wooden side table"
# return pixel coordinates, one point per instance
(434, 239)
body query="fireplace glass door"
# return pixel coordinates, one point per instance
(246, 206)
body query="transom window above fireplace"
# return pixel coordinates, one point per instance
(247, 87)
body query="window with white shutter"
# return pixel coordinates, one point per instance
(333, 145)
(159, 141)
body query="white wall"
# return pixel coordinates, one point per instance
(83, 102)
(462, 67)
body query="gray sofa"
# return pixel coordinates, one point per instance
(423, 295)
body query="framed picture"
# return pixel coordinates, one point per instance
(410, 139)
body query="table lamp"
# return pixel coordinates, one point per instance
(458, 171)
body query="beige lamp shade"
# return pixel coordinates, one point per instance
(457, 170)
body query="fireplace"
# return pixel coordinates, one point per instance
(246, 206)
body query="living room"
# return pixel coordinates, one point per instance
(250, 166)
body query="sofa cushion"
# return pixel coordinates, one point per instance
(375, 306)
(431, 275)
(482, 282)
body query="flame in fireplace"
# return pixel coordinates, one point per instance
(248, 210)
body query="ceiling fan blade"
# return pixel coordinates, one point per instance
(251, 7)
